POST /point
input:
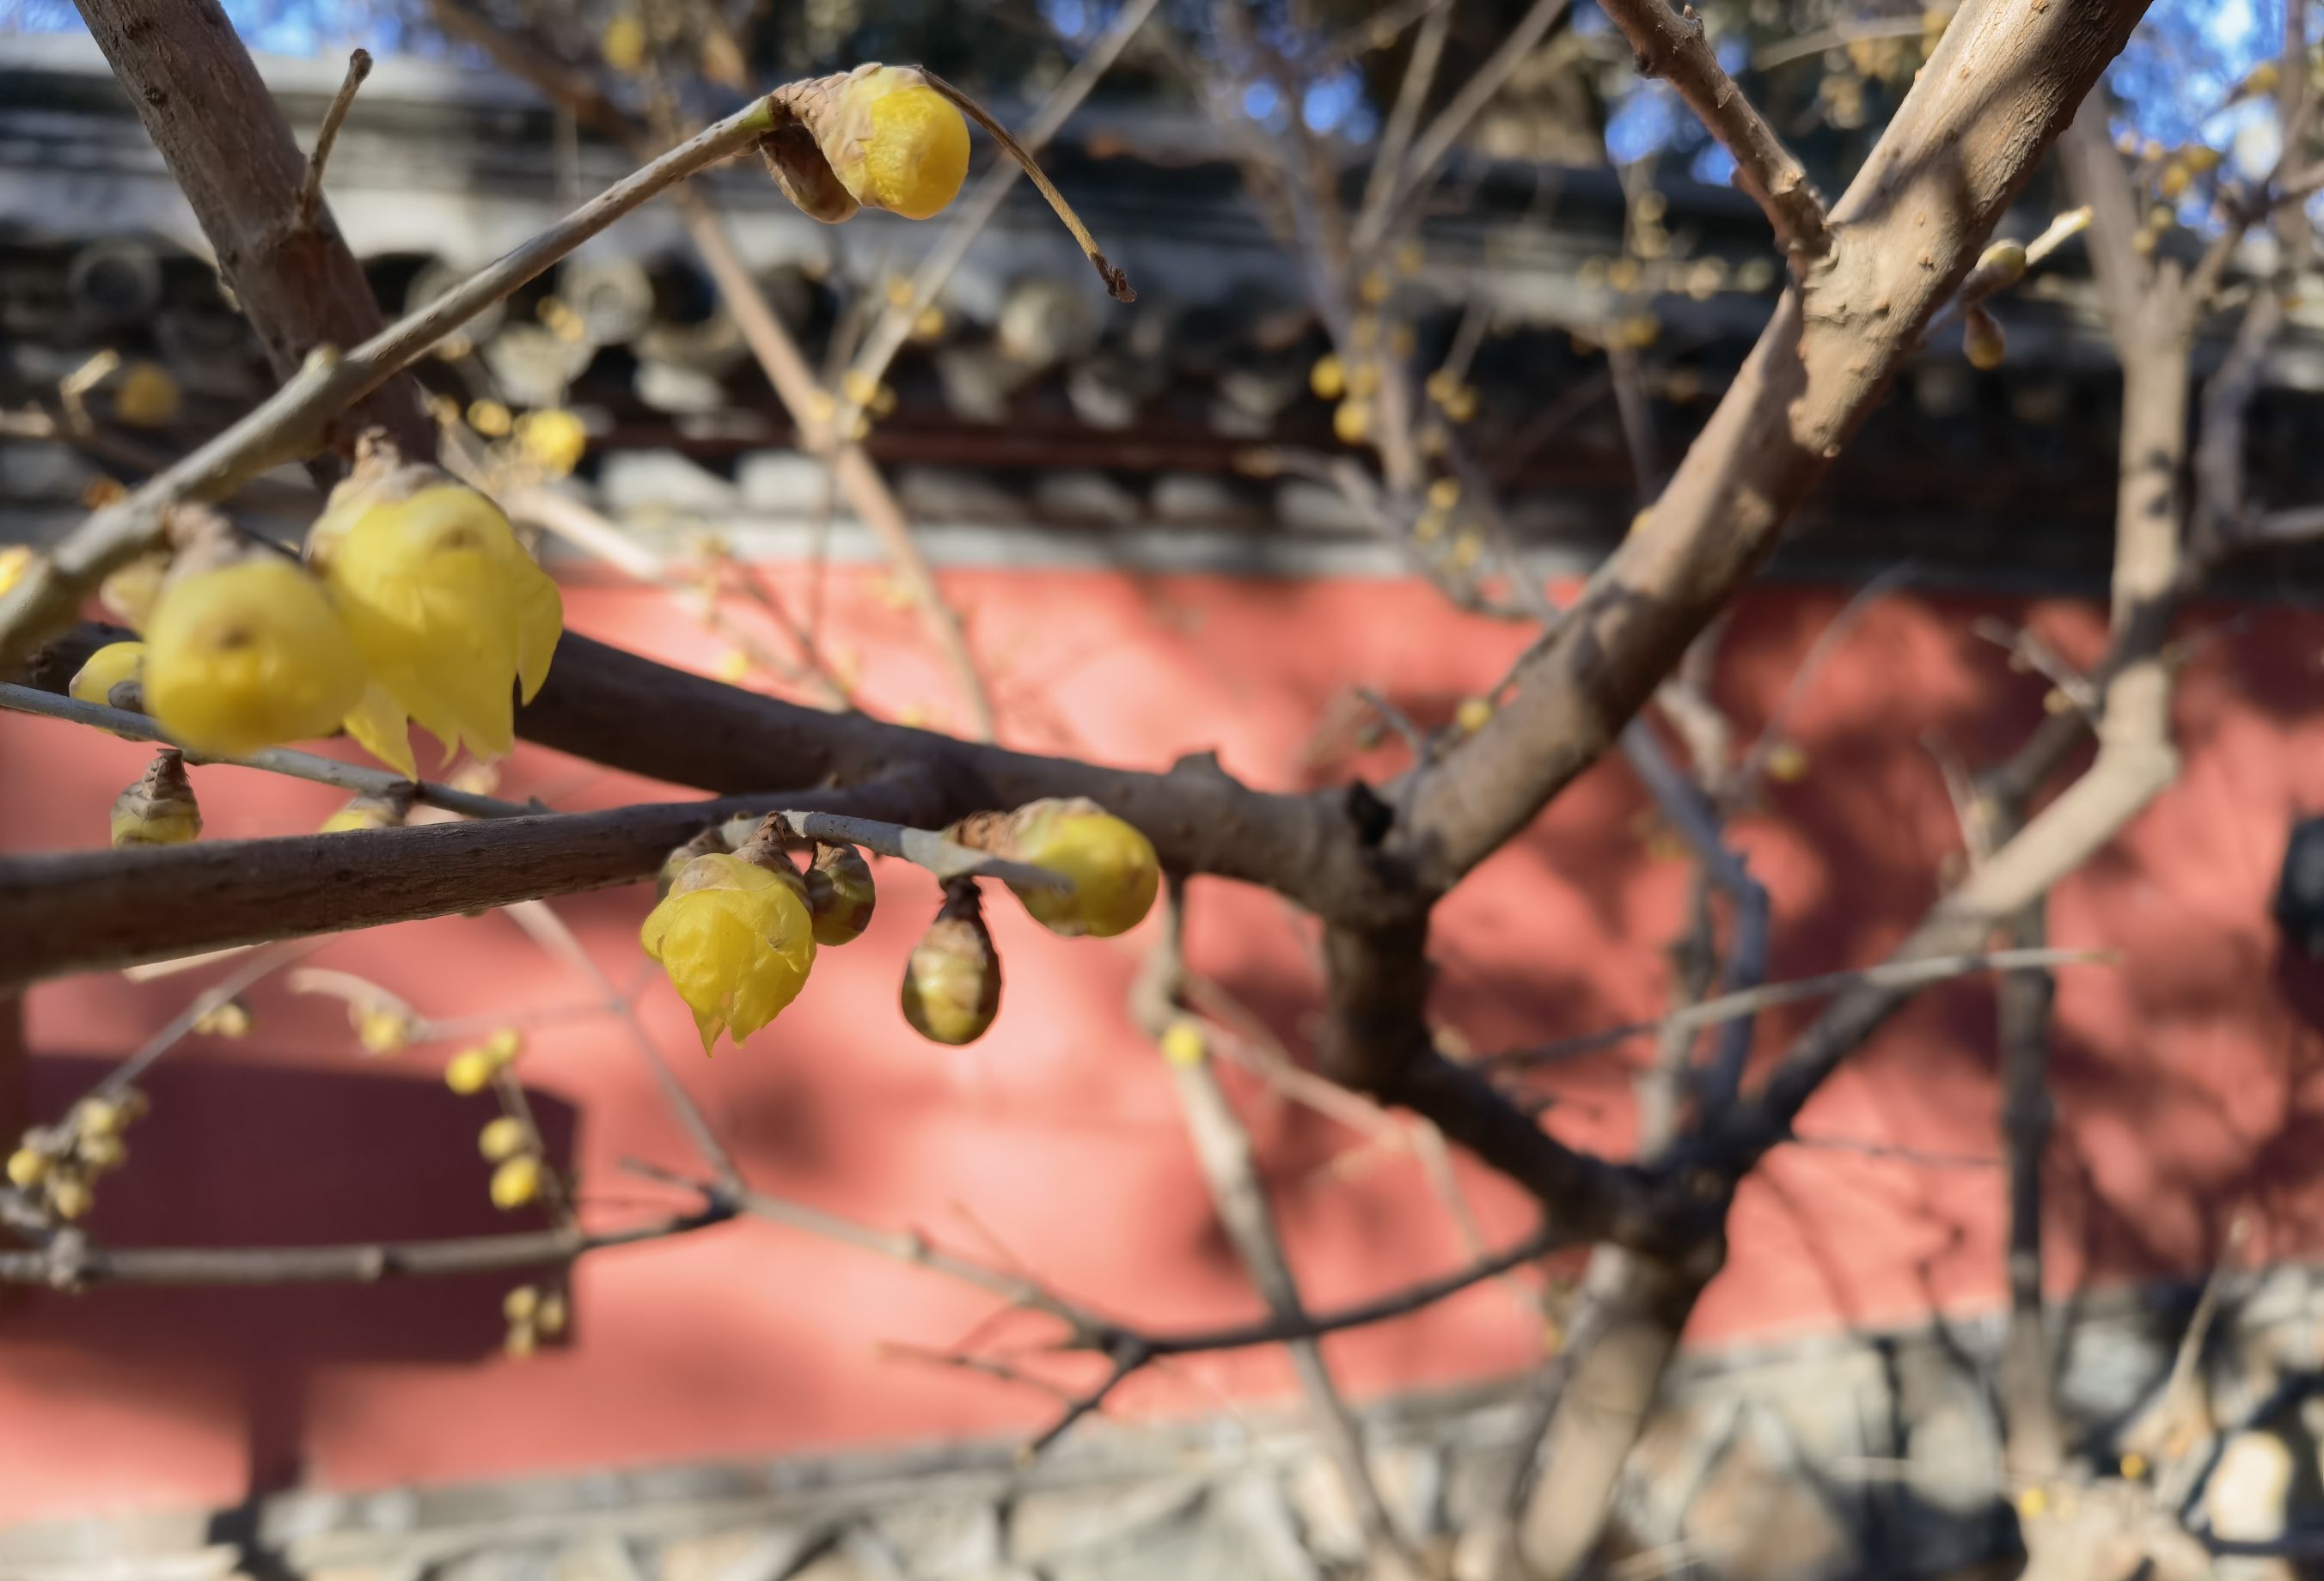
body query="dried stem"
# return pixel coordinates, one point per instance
(310, 193)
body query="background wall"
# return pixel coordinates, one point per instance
(2186, 1073)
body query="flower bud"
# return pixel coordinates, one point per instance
(1183, 1043)
(226, 1018)
(1982, 341)
(552, 1317)
(69, 1197)
(160, 809)
(386, 1027)
(952, 980)
(1110, 867)
(107, 668)
(501, 1139)
(28, 1167)
(877, 137)
(367, 811)
(840, 895)
(471, 1071)
(520, 1304)
(2003, 263)
(516, 1182)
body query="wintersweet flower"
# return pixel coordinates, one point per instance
(246, 656)
(448, 610)
(1112, 868)
(737, 942)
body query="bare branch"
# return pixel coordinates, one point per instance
(1670, 45)
(1909, 228)
(311, 191)
(283, 760)
(71, 1261)
(81, 910)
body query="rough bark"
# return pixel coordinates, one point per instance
(226, 141)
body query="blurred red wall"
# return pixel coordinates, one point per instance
(2185, 1075)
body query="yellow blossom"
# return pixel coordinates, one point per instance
(247, 655)
(146, 397)
(1183, 1043)
(516, 1182)
(107, 668)
(736, 941)
(501, 1138)
(1111, 866)
(897, 144)
(623, 43)
(448, 610)
(552, 439)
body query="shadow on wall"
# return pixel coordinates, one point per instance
(242, 1153)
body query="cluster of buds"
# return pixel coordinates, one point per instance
(533, 1313)
(508, 1143)
(159, 808)
(58, 1165)
(737, 932)
(415, 600)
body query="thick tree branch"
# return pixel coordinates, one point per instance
(217, 128)
(83, 911)
(2001, 86)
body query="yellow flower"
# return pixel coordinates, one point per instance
(1112, 865)
(516, 1182)
(146, 397)
(897, 144)
(1183, 1043)
(1473, 714)
(248, 656)
(553, 440)
(364, 813)
(736, 941)
(27, 1168)
(1328, 378)
(14, 561)
(499, 1139)
(107, 668)
(470, 1071)
(446, 608)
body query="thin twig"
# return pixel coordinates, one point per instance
(1894, 974)
(69, 1261)
(283, 760)
(1672, 45)
(290, 423)
(922, 849)
(311, 192)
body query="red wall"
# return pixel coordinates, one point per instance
(2185, 1074)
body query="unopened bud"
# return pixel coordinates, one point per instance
(952, 982)
(160, 809)
(840, 894)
